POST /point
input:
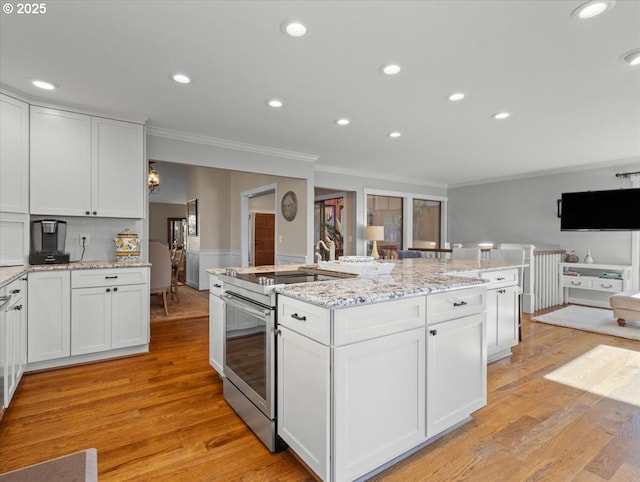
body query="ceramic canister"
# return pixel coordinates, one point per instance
(127, 245)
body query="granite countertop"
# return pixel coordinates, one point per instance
(11, 273)
(410, 277)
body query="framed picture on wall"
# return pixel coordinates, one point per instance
(192, 217)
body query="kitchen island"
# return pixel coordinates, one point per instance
(371, 369)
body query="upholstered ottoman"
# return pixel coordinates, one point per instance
(626, 306)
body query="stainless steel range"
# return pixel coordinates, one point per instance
(250, 352)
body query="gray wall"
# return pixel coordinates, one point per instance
(524, 211)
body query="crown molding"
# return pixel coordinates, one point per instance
(382, 176)
(229, 144)
(552, 172)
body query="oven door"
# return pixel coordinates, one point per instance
(249, 355)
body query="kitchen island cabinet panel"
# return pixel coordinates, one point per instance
(49, 315)
(456, 371)
(304, 399)
(379, 400)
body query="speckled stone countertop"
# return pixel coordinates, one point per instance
(10, 273)
(410, 277)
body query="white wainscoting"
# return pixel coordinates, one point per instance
(282, 258)
(199, 261)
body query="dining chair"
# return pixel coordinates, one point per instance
(160, 272)
(177, 268)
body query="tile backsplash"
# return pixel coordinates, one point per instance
(101, 232)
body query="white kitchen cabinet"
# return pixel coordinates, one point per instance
(13, 339)
(304, 399)
(502, 321)
(351, 383)
(49, 315)
(14, 155)
(60, 157)
(109, 309)
(119, 174)
(216, 325)
(379, 400)
(90, 320)
(102, 159)
(456, 371)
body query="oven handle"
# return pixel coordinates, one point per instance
(232, 300)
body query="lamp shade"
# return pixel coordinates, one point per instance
(374, 233)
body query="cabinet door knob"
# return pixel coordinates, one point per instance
(115, 289)
(278, 332)
(433, 332)
(87, 212)
(502, 291)
(108, 290)
(95, 213)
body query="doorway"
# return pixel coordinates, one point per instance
(264, 236)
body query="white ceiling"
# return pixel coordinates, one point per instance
(573, 101)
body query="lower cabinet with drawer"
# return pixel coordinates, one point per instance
(354, 382)
(109, 309)
(85, 315)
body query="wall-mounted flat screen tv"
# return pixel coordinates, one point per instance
(614, 210)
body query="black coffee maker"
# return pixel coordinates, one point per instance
(47, 242)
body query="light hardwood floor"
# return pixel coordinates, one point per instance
(161, 417)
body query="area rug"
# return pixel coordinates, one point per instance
(77, 467)
(191, 304)
(585, 318)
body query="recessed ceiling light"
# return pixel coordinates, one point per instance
(390, 69)
(343, 121)
(456, 96)
(293, 28)
(593, 8)
(501, 115)
(275, 103)
(42, 84)
(632, 58)
(395, 134)
(181, 78)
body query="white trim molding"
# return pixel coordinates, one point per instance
(230, 144)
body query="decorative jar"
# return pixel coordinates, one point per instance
(127, 246)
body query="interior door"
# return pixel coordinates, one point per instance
(263, 239)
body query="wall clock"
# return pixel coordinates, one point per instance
(289, 205)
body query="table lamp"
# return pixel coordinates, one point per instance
(374, 233)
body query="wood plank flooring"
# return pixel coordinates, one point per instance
(161, 416)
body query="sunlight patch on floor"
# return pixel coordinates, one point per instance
(606, 371)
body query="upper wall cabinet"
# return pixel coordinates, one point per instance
(85, 166)
(14, 155)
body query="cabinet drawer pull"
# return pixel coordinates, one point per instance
(607, 287)
(502, 291)
(576, 283)
(460, 303)
(296, 316)
(18, 308)
(111, 277)
(433, 332)
(501, 278)
(15, 292)
(278, 332)
(217, 285)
